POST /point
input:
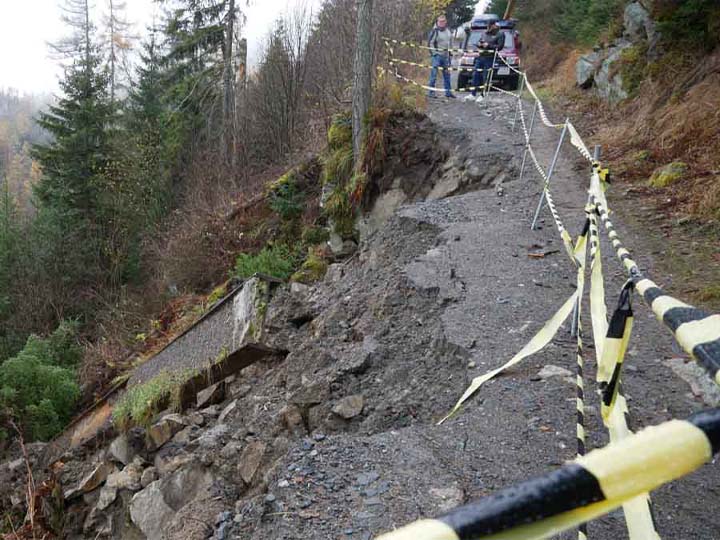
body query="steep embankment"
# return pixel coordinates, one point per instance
(337, 438)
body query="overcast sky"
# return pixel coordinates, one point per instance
(27, 25)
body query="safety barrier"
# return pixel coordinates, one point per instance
(582, 490)
(625, 471)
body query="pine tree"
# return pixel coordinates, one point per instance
(72, 193)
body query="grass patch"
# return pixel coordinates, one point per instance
(139, 405)
(277, 260)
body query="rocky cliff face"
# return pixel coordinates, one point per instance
(598, 71)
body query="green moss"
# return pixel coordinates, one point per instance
(669, 174)
(338, 166)
(139, 405)
(633, 67)
(340, 132)
(217, 294)
(312, 270)
(642, 155)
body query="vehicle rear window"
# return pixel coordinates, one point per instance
(474, 39)
(509, 40)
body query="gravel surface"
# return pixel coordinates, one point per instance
(444, 292)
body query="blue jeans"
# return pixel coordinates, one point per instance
(440, 61)
(481, 62)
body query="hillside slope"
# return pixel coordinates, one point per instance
(338, 438)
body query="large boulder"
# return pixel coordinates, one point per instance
(150, 512)
(586, 67)
(608, 80)
(638, 23)
(164, 430)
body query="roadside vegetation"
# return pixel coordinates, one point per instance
(144, 186)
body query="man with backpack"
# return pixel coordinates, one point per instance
(440, 42)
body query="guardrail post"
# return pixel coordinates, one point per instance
(519, 103)
(527, 143)
(488, 80)
(550, 173)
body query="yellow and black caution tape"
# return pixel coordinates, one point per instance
(412, 45)
(582, 490)
(427, 66)
(433, 89)
(697, 331)
(638, 514)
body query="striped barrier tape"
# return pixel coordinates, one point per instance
(638, 512)
(412, 45)
(581, 490)
(432, 89)
(426, 66)
(579, 379)
(697, 331)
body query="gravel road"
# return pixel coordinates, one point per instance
(447, 291)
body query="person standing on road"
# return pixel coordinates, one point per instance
(440, 42)
(489, 44)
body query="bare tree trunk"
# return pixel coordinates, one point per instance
(228, 97)
(509, 9)
(112, 51)
(362, 74)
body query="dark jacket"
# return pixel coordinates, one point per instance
(494, 43)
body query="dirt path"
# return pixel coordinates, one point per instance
(442, 294)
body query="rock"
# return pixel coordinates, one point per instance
(186, 435)
(150, 512)
(231, 450)
(210, 412)
(196, 419)
(474, 173)
(170, 458)
(334, 273)
(585, 69)
(638, 24)
(668, 174)
(107, 497)
(446, 186)
(164, 430)
(128, 478)
(364, 479)
(341, 248)
(227, 411)
(93, 480)
(119, 449)
(214, 437)
(211, 395)
(299, 288)
(553, 371)
(382, 210)
(608, 80)
(447, 498)
(148, 476)
(349, 406)
(250, 460)
(292, 419)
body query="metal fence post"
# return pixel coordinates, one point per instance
(519, 103)
(550, 173)
(527, 143)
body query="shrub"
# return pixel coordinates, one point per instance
(38, 385)
(277, 260)
(689, 25)
(312, 236)
(285, 199)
